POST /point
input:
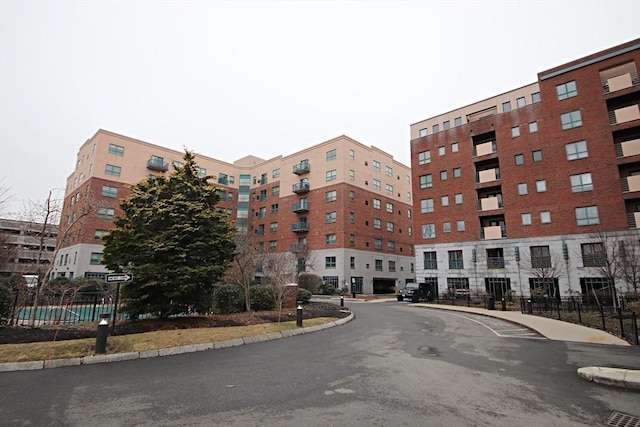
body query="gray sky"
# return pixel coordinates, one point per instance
(228, 79)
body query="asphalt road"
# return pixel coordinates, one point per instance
(393, 365)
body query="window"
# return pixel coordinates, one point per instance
(545, 217)
(454, 147)
(352, 217)
(352, 196)
(436, 128)
(537, 155)
(457, 172)
(443, 175)
(352, 175)
(446, 125)
(273, 245)
(460, 226)
(391, 246)
(377, 223)
(377, 244)
(521, 102)
(426, 181)
(275, 173)
(522, 189)
(330, 217)
(446, 227)
(424, 157)
(533, 127)
(581, 182)
(428, 231)
(455, 260)
(457, 198)
(526, 218)
(457, 121)
(331, 155)
(96, 258)
(274, 208)
(426, 205)
(106, 213)
(535, 97)
(109, 191)
(275, 191)
(566, 90)
(577, 150)
(519, 159)
(330, 239)
(571, 120)
(331, 196)
(506, 107)
(392, 266)
(262, 212)
(112, 170)
(352, 154)
(329, 262)
(331, 175)
(273, 226)
(540, 257)
(202, 172)
(352, 239)
(376, 166)
(390, 227)
(515, 131)
(390, 207)
(593, 255)
(99, 234)
(423, 132)
(378, 265)
(441, 151)
(116, 150)
(587, 215)
(376, 204)
(444, 200)
(541, 186)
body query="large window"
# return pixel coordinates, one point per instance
(376, 166)
(377, 223)
(426, 205)
(424, 157)
(108, 191)
(116, 150)
(330, 239)
(377, 184)
(593, 254)
(388, 171)
(430, 260)
(455, 260)
(581, 182)
(391, 246)
(377, 244)
(566, 90)
(330, 262)
(106, 213)
(389, 189)
(378, 264)
(331, 196)
(96, 258)
(428, 231)
(426, 181)
(376, 204)
(540, 257)
(577, 150)
(331, 175)
(571, 120)
(331, 155)
(587, 215)
(390, 227)
(112, 170)
(330, 217)
(390, 207)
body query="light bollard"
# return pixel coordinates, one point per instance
(101, 336)
(299, 316)
(341, 301)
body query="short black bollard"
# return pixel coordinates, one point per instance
(529, 307)
(299, 316)
(101, 337)
(341, 301)
(353, 294)
(504, 304)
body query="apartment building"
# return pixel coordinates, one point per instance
(342, 208)
(510, 192)
(20, 244)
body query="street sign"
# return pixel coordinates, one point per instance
(119, 277)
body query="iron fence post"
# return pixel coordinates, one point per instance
(621, 321)
(634, 322)
(604, 326)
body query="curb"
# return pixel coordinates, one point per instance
(628, 379)
(118, 357)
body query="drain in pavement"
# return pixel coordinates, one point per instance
(618, 419)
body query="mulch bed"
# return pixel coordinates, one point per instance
(18, 334)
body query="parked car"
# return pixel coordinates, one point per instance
(414, 292)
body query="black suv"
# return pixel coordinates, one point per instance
(414, 292)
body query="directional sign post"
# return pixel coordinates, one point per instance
(117, 278)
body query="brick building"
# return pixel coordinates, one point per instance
(510, 192)
(20, 247)
(343, 206)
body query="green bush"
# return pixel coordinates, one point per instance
(228, 299)
(303, 295)
(5, 303)
(327, 289)
(310, 282)
(261, 298)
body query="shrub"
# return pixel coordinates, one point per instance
(310, 282)
(5, 303)
(303, 295)
(327, 289)
(228, 299)
(261, 298)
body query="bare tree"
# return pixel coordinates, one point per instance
(629, 259)
(605, 259)
(546, 266)
(242, 270)
(280, 270)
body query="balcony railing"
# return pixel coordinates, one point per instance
(631, 183)
(490, 203)
(157, 164)
(493, 232)
(302, 206)
(487, 175)
(628, 148)
(301, 168)
(301, 187)
(620, 82)
(624, 114)
(298, 247)
(485, 148)
(300, 227)
(495, 262)
(541, 262)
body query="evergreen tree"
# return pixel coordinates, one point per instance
(173, 240)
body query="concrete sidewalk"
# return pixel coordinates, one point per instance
(557, 330)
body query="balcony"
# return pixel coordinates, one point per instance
(490, 203)
(157, 164)
(487, 175)
(485, 148)
(302, 206)
(301, 187)
(613, 83)
(631, 183)
(634, 219)
(624, 114)
(541, 261)
(302, 168)
(628, 148)
(493, 232)
(298, 247)
(300, 227)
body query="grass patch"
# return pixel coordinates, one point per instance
(142, 342)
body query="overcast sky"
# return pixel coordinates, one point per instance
(229, 79)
